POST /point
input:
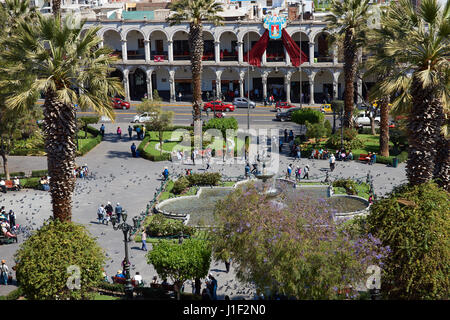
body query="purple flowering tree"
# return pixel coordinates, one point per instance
(292, 247)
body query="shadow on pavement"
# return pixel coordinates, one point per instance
(119, 154)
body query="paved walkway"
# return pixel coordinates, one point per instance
(132, 182)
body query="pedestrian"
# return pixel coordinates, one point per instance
(299, 154)
(119, 132)
(109, 210)
(138, 132)
(101, 214)
(144, 240)
(332, 162)
(247, 170)
(288, 172)
(143, 132)
(130, 131)
(193, 157)
(118, 210)
(306, 172)
(4, 273)
(102, 130)
(298, 173)
(165, 173)
(213, 287)
(227, 264)
(3, 185)
(12, 218)
(291, 135)
(208, 159)
(285, 136)
(133, 150)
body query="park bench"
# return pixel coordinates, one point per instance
(363, 157)
(167, 287)
(10, 185)
(124, 281)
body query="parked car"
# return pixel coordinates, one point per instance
(287, 115)
(363, 120)
(243, 103)
(218, 106)
(120, 104)
(144, 117)
(279, 106)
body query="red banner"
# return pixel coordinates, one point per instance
(158, 58)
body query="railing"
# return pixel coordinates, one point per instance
(181, 56)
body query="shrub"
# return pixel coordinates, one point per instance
(414, 222)
(114, 287)
(222, 124)
(399, 138)
(315, 131)
(307, 115)
(328, 128)
(334, 142)
(19, 174)
(43, 259)
(337, 105)
(180, 185)
(153, 293)
(89, 145)
(348, 184)
(204, 179)
(13, 295)
(160, 226)
(31, 183)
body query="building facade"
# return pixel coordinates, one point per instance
(154, 55)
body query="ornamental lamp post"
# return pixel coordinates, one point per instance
(127, 231)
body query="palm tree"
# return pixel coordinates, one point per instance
(418, 57)
(67, 68)
(195, 12)
(348, 23)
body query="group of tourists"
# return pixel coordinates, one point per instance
(8, 223)
(15, 185)
(81, 172)
(104, 213)
(297, 171)
(140, 132)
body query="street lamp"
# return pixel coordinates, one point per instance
(341, 116)
(127, 231)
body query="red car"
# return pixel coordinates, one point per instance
(120, 104)
(282, 105)
(218, 106)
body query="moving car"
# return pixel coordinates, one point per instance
(243, 103)
(286, 116)
(363, 120)
(279, 106)
(120, 104)
(218, 106)
(144, 117)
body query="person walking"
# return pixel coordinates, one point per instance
(193, 157)
(288, 172)
(213, 287)
(102, 130)
(227, 264)
(119, 132)
(130, 131)
(208, 159)
(133, 150)
(3, 185)
(109, 210)
(12, 218)
(299, 154)
(118, 210)
(298, 173)
(291, 135)
(101, 214)
(332, 162)
(306, 172)
(143, 132)
(138, 132)
(144, 240)
(4, 273)
(286, 136)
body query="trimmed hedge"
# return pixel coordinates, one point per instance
(39, 173)
(19, 174)
(146, 155)
(95, 132)
(160, 226)
(31, 183)
(27, 152)
(89, 145)
(180, 185)
(115, 287)
(204, 179)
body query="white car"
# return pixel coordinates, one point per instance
(362, 120)
(144, 117)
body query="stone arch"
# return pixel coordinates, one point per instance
(138, 83)
(302, 40)
(208, 46)
(296, 92)
(183, 83)
(158, 44)
(135, 45)
(323, 85)
(229, 83)
(322, 50)
(252, 81)
(254, 37)
(161, 83)
(112, 39)
(275, 84)
(228, 46)
(208, 83)
(180, 40)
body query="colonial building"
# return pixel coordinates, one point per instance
(154, 55)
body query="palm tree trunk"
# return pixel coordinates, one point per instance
(5, 166)
(384, 126)
(60, 128)
(442, 168)
(56, 8)
(196, 48)
(424, 126)
(349, 76)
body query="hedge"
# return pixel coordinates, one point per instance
(19, 174)
(88, 146)
(402, 157)
(27, 152)
(115, 287)
(146, 155)
(39, 173)
(31, 183)
(13, 295)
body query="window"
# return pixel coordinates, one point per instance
(268, 3)
(140, 43)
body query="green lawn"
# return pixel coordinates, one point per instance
(99, 296)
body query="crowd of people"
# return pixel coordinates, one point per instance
(81, 172)
(8, 223)
(105, 212)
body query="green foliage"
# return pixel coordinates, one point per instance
(180, 185)
(31, 183)
(222, 124)
(153, 293)
(156, 96)
(19, 174)
(399, 138)
(349, 185)
(204, 179)
(89, 145)
(351, 140)
(160, 226)
(43, 259)
(39, 173)
(415, 223)
(114, 287)
(315, 131)
(307, 115)
(328, 129)
(337, 106)
(181, 262)
(147, 155)
(13, 295)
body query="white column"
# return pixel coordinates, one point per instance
(335, 84)
(287, 87)
(217, 51)
(100, 45)
(335, 54)
(170, 50)
(126, 84)
(149, 84)
(147, 50)
(264, 59)
(311, 52)
(218, 83)
(241, 84)
(240, 52)
(311, 88)
(172, 85)
(359, 90)
(288, 58)
(264, 83)
(124, 50)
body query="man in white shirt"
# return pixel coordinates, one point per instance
(3, 185)
(138, 278)
(16, 183)
(332, 162)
